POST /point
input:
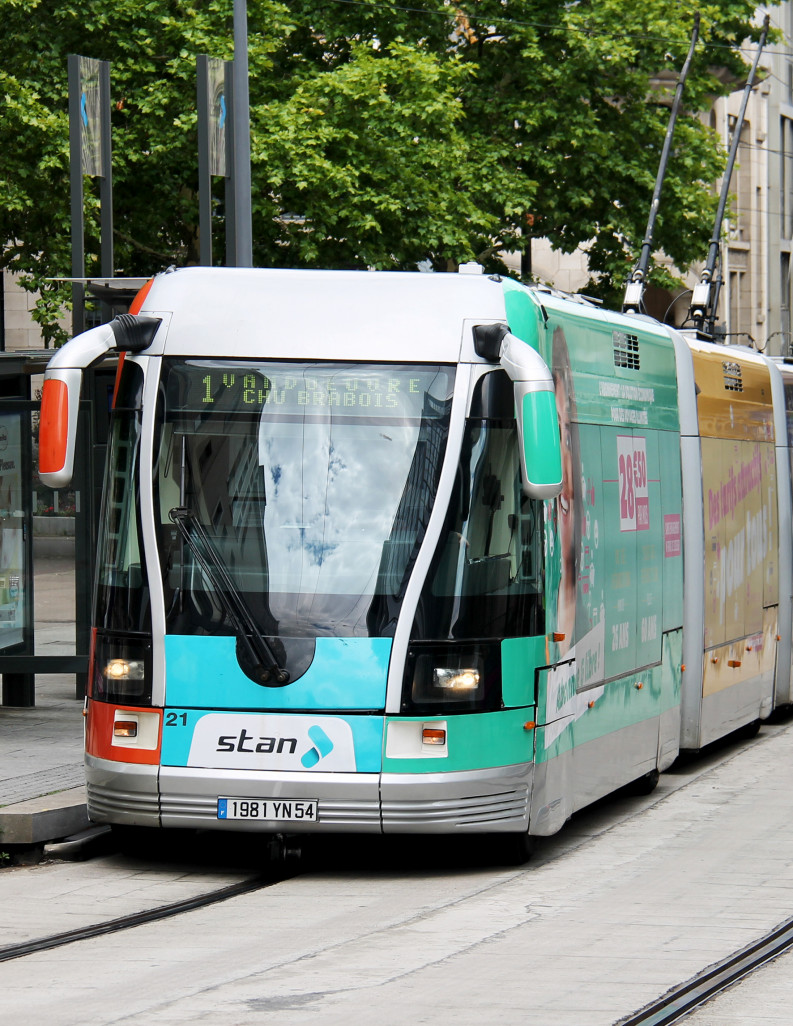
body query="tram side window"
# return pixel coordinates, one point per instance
(486, 577)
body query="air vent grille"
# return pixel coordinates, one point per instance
(626, 350)
(732, 376)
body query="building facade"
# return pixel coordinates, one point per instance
(779, 156)
(18, 331)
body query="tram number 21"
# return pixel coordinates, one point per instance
(632, 470)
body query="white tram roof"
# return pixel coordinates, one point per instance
(310, 314)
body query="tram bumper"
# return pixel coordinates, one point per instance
(120, 792)
(476, 801)
(345, 802)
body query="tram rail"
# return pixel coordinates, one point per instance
(108, 926)
(678, 1002)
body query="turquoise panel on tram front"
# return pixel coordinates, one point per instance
(346, 673)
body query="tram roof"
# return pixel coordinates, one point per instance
(311, 314)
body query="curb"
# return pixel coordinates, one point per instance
(49, 818)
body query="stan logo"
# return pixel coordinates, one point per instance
(322, 746)
(271, 742)
(245, 742)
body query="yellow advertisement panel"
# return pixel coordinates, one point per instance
(741, 574)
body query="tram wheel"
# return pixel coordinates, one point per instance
(644, 785)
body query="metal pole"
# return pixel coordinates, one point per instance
(713, 251)
(2, 311)
(204, 177)
(76, 183)
(243, 227)
(231, 215)
(106, 182)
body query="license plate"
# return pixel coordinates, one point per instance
(294, 810)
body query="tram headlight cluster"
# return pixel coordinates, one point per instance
(460, 678)
(121, 669)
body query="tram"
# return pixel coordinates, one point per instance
(419, 553)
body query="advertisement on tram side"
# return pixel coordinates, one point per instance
(739, 492)
(740, 518)
(613, 536)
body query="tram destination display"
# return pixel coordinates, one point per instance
(211, 386)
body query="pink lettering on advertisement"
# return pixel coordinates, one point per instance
(643, 513)
(672, 535)
(724, 501)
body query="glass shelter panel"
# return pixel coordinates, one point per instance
(13, 568)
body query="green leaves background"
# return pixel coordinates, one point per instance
(382, 136)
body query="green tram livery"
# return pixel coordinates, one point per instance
(387, 552)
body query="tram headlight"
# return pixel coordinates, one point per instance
(459, 678)
(121, 669)
(124, 669)
(464, 679)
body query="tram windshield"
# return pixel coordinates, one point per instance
(312, 482)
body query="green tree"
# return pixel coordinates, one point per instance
(562, 113)
(381, 136)
(152, 46)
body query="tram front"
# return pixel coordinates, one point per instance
(319, 598)
(292, 500)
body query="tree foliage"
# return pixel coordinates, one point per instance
(383, 135)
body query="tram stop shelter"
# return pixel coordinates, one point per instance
(22, 497)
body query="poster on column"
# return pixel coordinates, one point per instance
(12, 519)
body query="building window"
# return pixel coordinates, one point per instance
(784, 304)
(786, 177)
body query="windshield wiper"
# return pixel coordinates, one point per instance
(267, 669)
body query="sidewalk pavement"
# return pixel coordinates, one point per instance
(42, 796)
